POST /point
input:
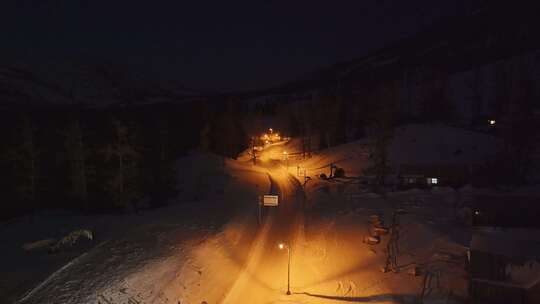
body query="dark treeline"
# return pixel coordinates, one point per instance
(446, 74)
(107, 159)
(372, 104)
(224, 132)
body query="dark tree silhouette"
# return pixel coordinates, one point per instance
(122, 184)
(77, 165)
(25, 159)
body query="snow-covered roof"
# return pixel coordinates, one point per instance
(513, 243)
(436, 143)
(432, 170)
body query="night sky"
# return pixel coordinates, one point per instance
(224, 45)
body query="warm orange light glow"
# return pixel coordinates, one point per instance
(281, 246)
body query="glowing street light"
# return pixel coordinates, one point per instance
(281, 246)
(492, 122)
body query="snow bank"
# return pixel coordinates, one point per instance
(369, 195)
(442, 190)
(413, 191)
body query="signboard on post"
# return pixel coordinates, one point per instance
(270, 200)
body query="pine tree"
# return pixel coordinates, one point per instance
(24, 157)
(76, 161)
(380, 122)
(381, 134)
(204, 140)
(123, 181)
(305, 117)
(166, 169)
(228, 136)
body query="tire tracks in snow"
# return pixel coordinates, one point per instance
(284, 223)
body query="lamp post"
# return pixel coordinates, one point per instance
(286, 159)
(281, 246)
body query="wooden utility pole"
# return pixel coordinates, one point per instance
(306, 146)
(430, 278)
(304, 197)
(306, 180)
(332, 170)
(392, 247)
(259, 211)
(253, 155)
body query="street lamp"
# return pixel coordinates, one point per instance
(286, 159)
(281, 246)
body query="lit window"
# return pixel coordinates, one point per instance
(433, 181)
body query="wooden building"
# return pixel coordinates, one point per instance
(430, 175)
(505, 265)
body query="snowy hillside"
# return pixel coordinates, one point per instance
(135, 256)
(423, 144)
(414, 144)
(207, 244)
(94, 85)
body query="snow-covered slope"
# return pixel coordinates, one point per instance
(414, 144)
(138, 257)
(196, 250)
(434, 143)
(87, 84)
